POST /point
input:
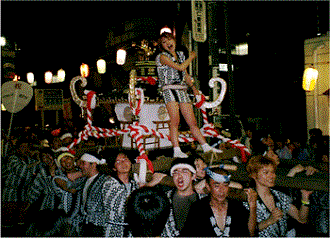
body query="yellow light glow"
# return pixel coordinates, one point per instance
(101, 66)
(30, 77)
(48, 77)
(84, 70)
(3, 41)
(121, 56)
(309, 79)
(165, 29)
(3, 107)
(61, 75)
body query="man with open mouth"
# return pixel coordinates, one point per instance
(183, 195)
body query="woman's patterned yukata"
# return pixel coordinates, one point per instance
(283, 202)
(170, 76)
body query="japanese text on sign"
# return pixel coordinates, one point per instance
(198, 20)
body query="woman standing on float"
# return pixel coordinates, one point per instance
(174, 80)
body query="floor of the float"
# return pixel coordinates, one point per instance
(167, 152)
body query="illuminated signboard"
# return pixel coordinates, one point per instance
(49, 99)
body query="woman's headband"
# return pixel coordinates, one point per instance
(66, 135)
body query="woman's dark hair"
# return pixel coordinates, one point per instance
(164, 35)
(147, 211)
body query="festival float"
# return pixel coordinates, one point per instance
(142, 119)
(144, 123)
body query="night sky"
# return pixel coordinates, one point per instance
(54, 35)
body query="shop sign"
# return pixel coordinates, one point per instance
(198, 10)
(49, 99)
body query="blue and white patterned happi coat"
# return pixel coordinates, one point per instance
(116, 194)
(94, 209)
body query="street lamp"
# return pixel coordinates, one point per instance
(101, 66)
(121, 56)
(48, 77)
(84, 70)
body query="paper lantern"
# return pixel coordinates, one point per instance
(30, 77)
(309, 79)
(165, 29)
(61, 75)
(84, 70)
(101, 66)
(121, 56)
(48, 77)
(3, 41)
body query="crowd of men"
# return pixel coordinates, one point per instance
(49, 191)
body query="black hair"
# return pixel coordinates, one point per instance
(23, 140)
(315, 132)
(258, 148)
(110, 155)
(147, 211)
(190, 160)
(47, 150)
(194, 155)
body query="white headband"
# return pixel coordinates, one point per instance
(90, 158)
(217, 177)
(183, 166)
(66, 135)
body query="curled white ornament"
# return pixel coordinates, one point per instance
(76, 99)
(221, 96)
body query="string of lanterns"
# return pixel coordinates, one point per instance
(84, 68)
(309, 77)
(60, 77)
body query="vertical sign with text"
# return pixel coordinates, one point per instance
(198, 12)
